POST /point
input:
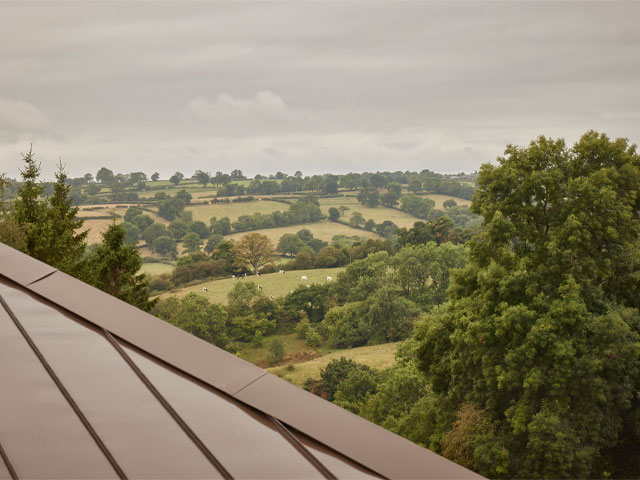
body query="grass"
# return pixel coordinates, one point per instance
(156, 268)
(204, 212)
(379, 214)
(376, 356)
(96, 228)
(324, 230)
(271, 283)
(440, 199)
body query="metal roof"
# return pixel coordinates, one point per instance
(92, 387)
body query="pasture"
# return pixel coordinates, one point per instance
(378, 214)
(271, 283)
(324, 230)
(376, 356)
(156, 268)
(440, 199)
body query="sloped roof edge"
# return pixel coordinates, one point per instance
(384, 452)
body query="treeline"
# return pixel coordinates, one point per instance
(305, 210)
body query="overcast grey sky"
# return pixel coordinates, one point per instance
(312, 86)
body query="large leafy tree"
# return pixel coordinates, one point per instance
(539, 344)
(254, 249)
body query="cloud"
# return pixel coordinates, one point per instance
(264, 106)
(20, 119)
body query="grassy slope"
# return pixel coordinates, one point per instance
(156, 268)
(379, 214)
(376, 356)
(440, 199)
(272, 284)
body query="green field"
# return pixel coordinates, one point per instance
(233, 210)
(379, 214)
(324, 230)
(440, 199)
(156, 268)
(376, 356)
(271, 283)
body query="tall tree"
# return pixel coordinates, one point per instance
(202, 177)
(28, 210)
(114, 266)
(254, 249)
(105, 175)
(176, 178)
(66, 243)
(542, 331)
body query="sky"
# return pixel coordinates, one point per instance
(319, 87)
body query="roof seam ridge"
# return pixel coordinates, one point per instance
(248, 384)
(297, 444)
(65, 393)
(7, 462)
(168, 407)
(42, 277)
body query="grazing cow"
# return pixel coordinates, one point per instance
(303, 277)
(259, 287)
(329, 279)
(204, 289)
(281, 272)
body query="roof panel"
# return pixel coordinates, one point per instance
(243, 441)
(39, 432)
(186, 352)
(364, 442)
(144, 439)
(21, 268)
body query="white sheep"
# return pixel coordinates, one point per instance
(204, 289)
(303, 277)
(329, 279)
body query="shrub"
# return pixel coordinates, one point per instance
(313, 338)
(276, 351)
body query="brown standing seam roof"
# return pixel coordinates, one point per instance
(92, 387)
